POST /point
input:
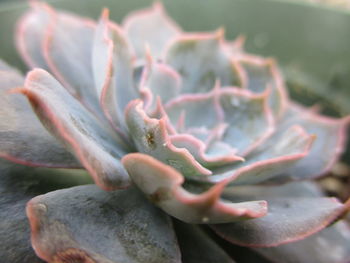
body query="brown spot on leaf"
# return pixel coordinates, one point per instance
(161, 194)
(150, 139)
(72, 255)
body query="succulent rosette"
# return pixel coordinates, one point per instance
(184, 135)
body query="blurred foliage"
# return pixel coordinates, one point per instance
(311, 42)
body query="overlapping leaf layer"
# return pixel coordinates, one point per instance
(193, 126)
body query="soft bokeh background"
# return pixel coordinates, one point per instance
(310, 40)
(339, 3)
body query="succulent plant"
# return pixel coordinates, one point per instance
(187, 137)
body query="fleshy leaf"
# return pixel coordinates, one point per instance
(306, 189)
(196, 246)
(329, 144)
(162, 185)
(230, 106)
(151, 137)
(292, 216)
(152, 27)
(23, 138)
(86, 224)
(313, 249)
(161, 80)
(67, 47)
(269, 161)
(249, 120)
(214, 158)
(14, 227)
(112, 68)
(331, 245)
(236, 46)
(30, 33)
(196, 112)
(95, 146)
(258, 75)
(313, 154)
(199, 68)
(18, 184)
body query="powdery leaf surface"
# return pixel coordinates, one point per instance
(93, 144)
(23, 138)
(200, 69)
(113, 71)
(163, 185)
(87, 224)
(152, 27)
(295, 211)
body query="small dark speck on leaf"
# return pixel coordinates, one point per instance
(161, 194)
(150, 139)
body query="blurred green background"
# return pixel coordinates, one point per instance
(310, 41)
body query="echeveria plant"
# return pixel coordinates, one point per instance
(184, 134)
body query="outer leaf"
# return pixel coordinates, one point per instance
(152, 27)
(86, 224)
(196, 246)
(331, 245)
(112, 68)
(67, 47)
(330, 141)
(18, 184)
(23, 138)
(199, 68)
(30, 34)
(14, 228)
(151, 137)
(291, 216)
(306, 189)
(95, 146)
(162, 184)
